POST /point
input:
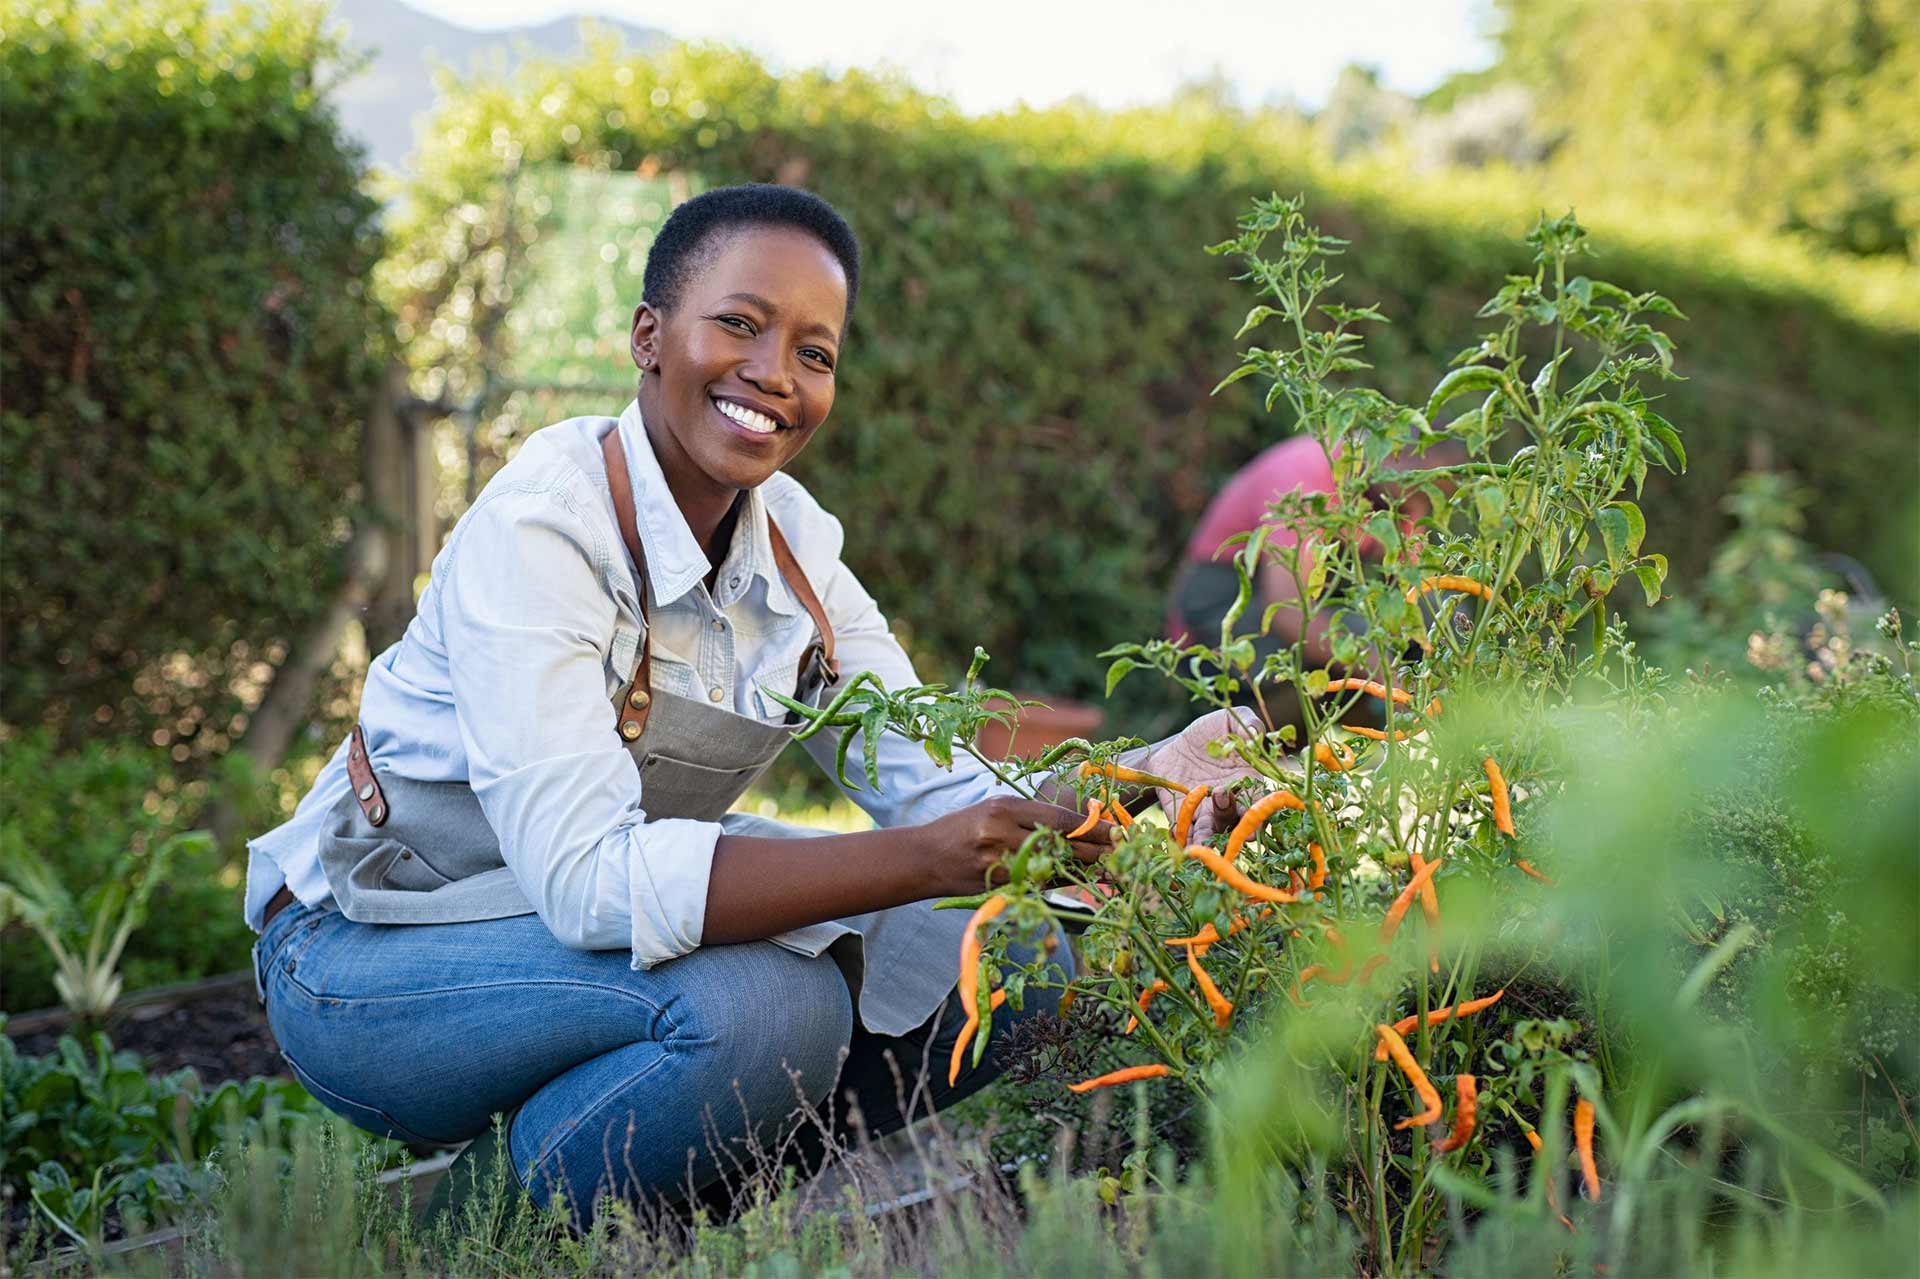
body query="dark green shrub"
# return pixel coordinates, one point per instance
(1024, 434)
(190, 347)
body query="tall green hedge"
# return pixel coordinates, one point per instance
(1024, 434)
(190, 346)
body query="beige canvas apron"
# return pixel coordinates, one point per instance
(400, 851)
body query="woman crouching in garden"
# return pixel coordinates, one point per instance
(516, 889)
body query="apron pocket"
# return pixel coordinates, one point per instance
(381, 863)
(680, 788)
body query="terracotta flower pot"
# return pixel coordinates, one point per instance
(1040, 727)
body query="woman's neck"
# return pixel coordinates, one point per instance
(705, 506)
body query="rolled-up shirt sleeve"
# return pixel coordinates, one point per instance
(527, 620)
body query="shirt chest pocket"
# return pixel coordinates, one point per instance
(780, 678)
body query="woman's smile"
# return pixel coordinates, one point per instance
(758, 422)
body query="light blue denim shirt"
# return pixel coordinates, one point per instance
(530, 625)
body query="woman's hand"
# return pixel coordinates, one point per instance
(966, 847)
(1184, 758)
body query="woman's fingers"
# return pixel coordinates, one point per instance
(1090, 845)
(1219, 813)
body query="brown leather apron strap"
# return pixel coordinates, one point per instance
(366, 788)
(636, 699)
(797, 582)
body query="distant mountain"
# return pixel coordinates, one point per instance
(381, 104)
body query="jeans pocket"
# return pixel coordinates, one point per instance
(369, 1118)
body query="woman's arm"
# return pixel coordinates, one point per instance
(523, 607)
(759, 887)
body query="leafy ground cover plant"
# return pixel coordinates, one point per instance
(95, 1145)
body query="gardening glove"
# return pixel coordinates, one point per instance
(1184, 758)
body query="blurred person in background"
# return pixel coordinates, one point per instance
(1205, 584)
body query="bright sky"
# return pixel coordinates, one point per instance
(989, 54)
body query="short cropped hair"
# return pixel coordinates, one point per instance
(693, 231)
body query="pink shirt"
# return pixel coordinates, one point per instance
(1241, 506)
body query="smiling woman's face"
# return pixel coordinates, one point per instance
(741, 372)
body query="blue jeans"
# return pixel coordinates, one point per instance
(653, 1084)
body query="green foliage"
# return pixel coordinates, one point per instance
(191, 344)
(85, 937)
(95, 818)
(1024, 435)
(89, 1133)
(1701, 974)
(1795, 116)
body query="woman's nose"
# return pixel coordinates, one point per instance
(768, 370)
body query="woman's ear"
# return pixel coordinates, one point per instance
(644, 340)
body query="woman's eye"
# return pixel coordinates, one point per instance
(816, 354)
(739, 322)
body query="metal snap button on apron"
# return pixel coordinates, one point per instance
(365, 791)
(638, 699)
(714, 694)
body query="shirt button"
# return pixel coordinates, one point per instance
(719, 625)
(733, 581)
(714, 694)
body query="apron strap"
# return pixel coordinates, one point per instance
(636, 699)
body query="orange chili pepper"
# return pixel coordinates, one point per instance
(972, 1024)
(1446, 582)
(1449, 582)
(1121, 773)
(1310, 972)
(1117, 812)
(1229, 874)
(1221, 1005)
(1526, 868)
(1094, 813)
(1367, 969)
(1377, 735)
(1429, 909)
(1467, 1092)
(1400, 695)
(1397, 1049)
(1208, 935)
(970, 977)
(1183, 821)
(1553, 1196)
(1502, 806)
(1254, 818)
(1126, 1076)
(1319, 876)
(1398, 911)
(1066, 1003)
(1146, 997)
(1583, 1144)
(1438, 1015)
(1323, 753)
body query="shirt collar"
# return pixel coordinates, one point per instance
(675, 562)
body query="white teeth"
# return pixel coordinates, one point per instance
(757, 422)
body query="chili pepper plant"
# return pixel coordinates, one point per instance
(1406, 789)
